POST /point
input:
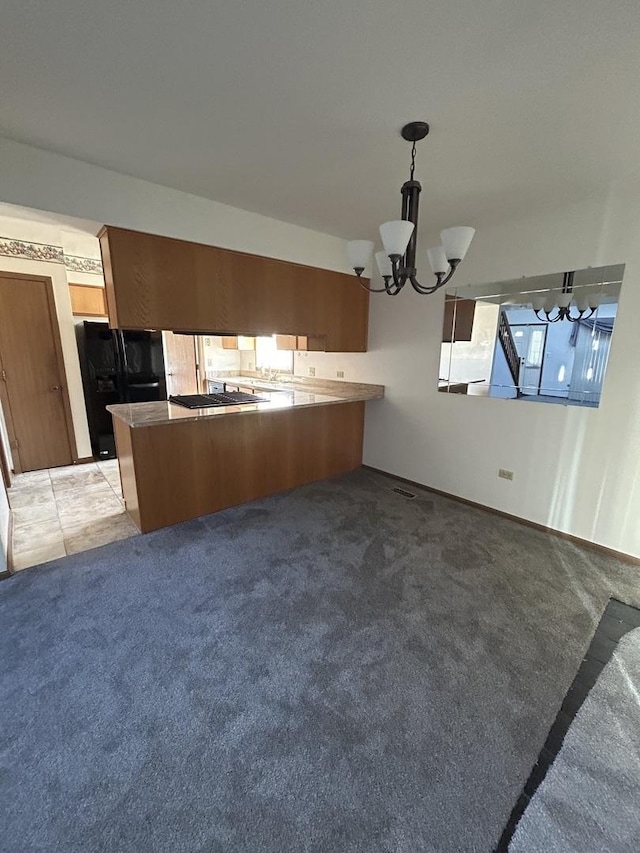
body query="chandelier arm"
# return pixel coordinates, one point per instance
(391, 288)
(425, 291)
(373, 289)
(399, 275)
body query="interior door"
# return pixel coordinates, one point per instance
(34, 393)
(180, 363)
(590, 361)
(530, 342)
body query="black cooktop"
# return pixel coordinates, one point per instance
(206, 401)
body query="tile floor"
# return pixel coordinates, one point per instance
(65, 510)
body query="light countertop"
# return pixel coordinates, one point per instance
(291, 397)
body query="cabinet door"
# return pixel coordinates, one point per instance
(180, 363)
(162, 283)
(87, 300)
(286, 342)
(457, 324)
(230, 342)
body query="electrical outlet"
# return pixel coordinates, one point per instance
(340, 374)
(312, 371)
(504, 474)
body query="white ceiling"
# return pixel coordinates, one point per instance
(292, 108)
(64, 223)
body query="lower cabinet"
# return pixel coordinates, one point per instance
(217, 462)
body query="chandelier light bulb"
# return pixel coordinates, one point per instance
(384, 264)
(396, 235)
(549, 302)
(359, 253)
(594, 300)
(564, 300)
(438, 259)
(538, 301)
(582, 302)
(456, 241)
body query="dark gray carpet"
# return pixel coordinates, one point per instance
(334, 669)
(589, 800)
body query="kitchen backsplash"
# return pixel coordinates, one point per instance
(216, 358)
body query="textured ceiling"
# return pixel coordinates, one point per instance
(292, 109)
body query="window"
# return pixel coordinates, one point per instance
(536, 347)
(269, 357)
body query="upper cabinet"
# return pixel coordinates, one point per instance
(160, 283)
(457, 324)
(87, 300)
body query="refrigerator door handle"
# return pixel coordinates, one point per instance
(122, 366)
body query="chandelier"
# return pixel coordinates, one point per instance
(397, 262)
(548, 302)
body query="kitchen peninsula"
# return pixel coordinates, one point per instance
(178, 463)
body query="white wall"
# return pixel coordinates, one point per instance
(216, 358)
(40, 179)
(42, 233)
(577, 470)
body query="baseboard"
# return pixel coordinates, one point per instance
(84, 460)
(9, 572)
(593, 546)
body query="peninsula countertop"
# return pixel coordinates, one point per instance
(289, 395)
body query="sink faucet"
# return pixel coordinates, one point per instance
(269, 373)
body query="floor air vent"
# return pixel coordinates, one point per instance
(403, 492)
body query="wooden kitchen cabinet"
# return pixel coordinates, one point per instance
(87, 300)
(287, 342)
(457, 324)
(299, 343)
(157, 282)
(239, 342)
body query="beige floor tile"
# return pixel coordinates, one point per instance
(74, 509)
(40, 493)
(100, 532)
(64, 470)
(78, 515)
(82, 495)
(31, 478)
(33, 515)
(78, 479)
(40, 535)
(117, 487)
(26, 559)
(109, 466)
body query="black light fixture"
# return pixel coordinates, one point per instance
(548, 302)
(397, 263)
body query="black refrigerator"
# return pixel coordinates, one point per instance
(118, 366)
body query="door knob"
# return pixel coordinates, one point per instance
(56, 388)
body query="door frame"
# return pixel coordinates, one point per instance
(57, 345)
(523, 359)
(4, 465)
